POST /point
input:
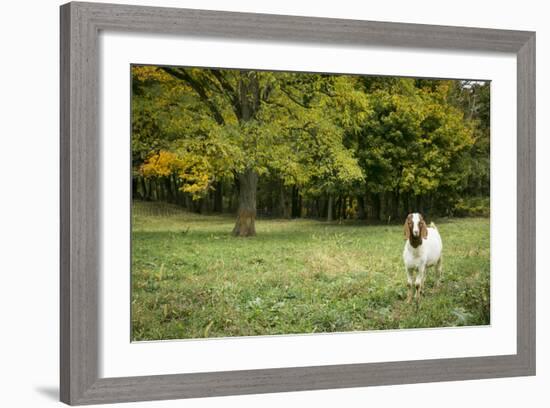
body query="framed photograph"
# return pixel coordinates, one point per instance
(261, 203)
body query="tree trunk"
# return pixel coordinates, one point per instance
(285, 204)
(341, 207)
(395, 206)
(147, 189)
(246, 214)
(179, 193)
(153, 190)
(135, 192)
(218, 198)
(295, 202)
(230, 199)
(419, 204)
(376, 206)
(344, 208)
(406, 202)
(361, 213)
(188, 202)
(318, 208)
(144, 194)
(170, 196)
(204, 205)
(329, 207)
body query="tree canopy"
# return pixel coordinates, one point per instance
(303, 144)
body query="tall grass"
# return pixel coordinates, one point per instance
(192, 279)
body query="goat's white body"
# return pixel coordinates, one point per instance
(429, 253)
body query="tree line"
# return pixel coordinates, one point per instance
(286, 145)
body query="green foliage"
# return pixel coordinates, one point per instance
(286, 132)
(472, 207)
(191, 279)
(399, 139)
(412, 141)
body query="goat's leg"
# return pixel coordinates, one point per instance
(409, 284)
(419, 284)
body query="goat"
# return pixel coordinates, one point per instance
(422, 250)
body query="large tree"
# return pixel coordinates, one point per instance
(413, 142)
(251, 123)
(302, 144)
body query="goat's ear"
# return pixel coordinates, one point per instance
(423, 228)
(406, 229)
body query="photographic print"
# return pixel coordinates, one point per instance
(273, 203)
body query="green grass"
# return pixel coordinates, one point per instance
(192, 279)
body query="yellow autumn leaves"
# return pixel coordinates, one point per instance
(194, 171)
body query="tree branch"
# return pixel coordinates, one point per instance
(293, 98)
(229, 91)
(199, 88)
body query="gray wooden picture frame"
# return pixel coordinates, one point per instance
(80, 192)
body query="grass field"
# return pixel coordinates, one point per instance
(192, 279)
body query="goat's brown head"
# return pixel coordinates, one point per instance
(415, 229)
